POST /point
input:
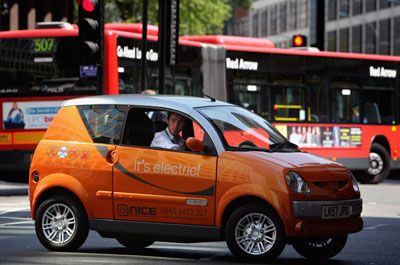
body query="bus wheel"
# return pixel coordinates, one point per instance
(320, 249)
(134, 243)
(61, 224)
(379, 165)
(254, 231)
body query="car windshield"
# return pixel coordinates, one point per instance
(243, 130)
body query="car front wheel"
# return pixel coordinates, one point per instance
(61, 224)
(256, 232)
(320, 249)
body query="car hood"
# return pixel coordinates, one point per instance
(311, 167)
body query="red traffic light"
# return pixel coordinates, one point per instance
(299, 41)
(89, 5)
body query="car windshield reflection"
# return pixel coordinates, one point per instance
(243, 130)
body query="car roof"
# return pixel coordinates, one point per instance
(181, 103)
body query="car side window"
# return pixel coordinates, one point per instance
(139, 127)
(148, 128)
(103, 122)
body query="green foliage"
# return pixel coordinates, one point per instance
(241, 3)
(203, 17)
(196, 16)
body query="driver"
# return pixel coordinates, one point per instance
(170, 138)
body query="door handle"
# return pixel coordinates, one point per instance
(112, 157)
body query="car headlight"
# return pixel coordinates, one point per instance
(296, 183)
(355, 184)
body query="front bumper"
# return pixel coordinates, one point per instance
(309, 221)
(313, 209)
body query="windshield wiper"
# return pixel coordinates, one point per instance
(248, 148)
(284, 146)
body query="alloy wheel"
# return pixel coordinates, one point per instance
(255, 234)
(58, 223)
(375, 164)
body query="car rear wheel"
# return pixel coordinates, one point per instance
(256, 232)
(134, 243)
(61, 224)
(320, 249)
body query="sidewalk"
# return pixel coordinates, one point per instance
(13, 189)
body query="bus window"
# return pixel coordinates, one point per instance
(177, 83)
(42, 66)
(377, 98)
(378, 107)
(346, 106)
(289, 103)
(252, 97)
(184, 78)
(317, 101)
(316, 80)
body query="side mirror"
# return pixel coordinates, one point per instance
(195, 145)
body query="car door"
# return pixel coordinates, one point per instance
(92, 163)
(160, 185)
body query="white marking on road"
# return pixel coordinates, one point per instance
(375, 226)
(8, 203)
(18, 227)
(15, 218)
(372, 203)
(17, 231)
(14, 210)
(15, 223)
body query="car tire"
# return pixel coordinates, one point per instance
(61, 223)
(254, 231)
(379, 166)
(134, 243)
(320, 249)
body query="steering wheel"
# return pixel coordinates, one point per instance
(247, 143)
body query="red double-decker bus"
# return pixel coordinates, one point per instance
(341, 106)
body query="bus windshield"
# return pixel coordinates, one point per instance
(43, 66)
(243, 130)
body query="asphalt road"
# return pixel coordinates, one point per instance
(378, 243)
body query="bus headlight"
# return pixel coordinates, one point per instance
(296, 183)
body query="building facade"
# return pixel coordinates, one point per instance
(361, 26)
(24, 14)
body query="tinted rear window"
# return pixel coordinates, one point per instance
(103, 122)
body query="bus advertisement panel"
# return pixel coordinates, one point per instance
(321, 135)
(29, 114)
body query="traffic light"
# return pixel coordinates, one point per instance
(91, 28)
(299, 41)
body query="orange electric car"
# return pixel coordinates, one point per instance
(236, 178)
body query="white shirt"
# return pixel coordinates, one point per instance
(165, 139)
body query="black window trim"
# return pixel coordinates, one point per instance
(211, 152)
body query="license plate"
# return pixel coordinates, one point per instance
(336, 211)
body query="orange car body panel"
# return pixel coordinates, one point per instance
(164, 180)
(83, 170)
(260, 175)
